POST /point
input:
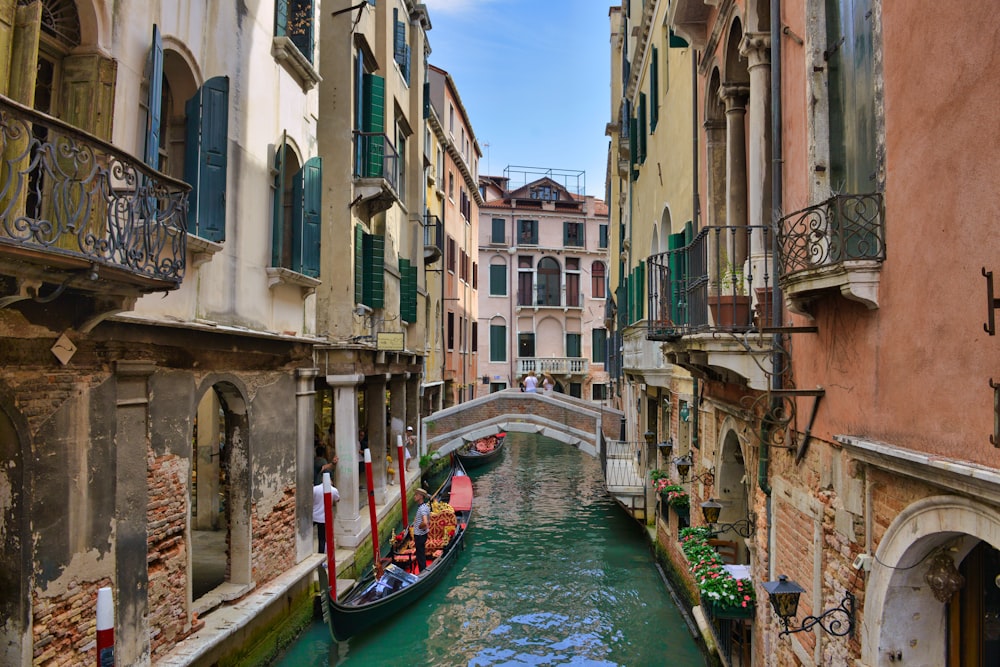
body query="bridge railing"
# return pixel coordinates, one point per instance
(624, 466)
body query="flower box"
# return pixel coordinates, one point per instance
(715, 610)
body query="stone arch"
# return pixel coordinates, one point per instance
(736, 64)
(715, 149)
(15, 535)
(549, 281)
(226, 397)
(900, 608)
(666, 229)
(731, 489)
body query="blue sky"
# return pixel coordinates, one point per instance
(534, 76)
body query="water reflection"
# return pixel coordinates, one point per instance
(554, 573)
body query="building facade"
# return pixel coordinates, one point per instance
(823, 131)
(543, 253)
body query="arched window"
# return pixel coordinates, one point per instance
(548, 282)
(597, 277)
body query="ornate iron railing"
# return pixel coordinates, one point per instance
(66, 192)
(842, 228)
(720, 281)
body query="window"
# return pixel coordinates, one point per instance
(527, 232)
(401, 162)
(369, 268)
(599, 346)
(573, 345)
(654, 89)
(525, 281)
(295, 239)
(463, 266)
(400, 49)
(576, 390)
(451, 331)
(451, 185)
(642, 128)
(497, 234)
(597, 278)
(498, 280)
(544, 192)
(573, 234)
(497, 386)
(407, 290)
(451, 254)
(526, 345)
(451, 118)
(599, 392)
(475, 336)
(475, 275)
(549, 279)
(574, 296)
(498, 342)
(294, 19)
(369, 121)
(602, 239)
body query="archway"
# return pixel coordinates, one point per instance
(731, 489)
(904, 615)
(220, 491)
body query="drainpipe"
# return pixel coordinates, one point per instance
(695, 213)
(776, 204)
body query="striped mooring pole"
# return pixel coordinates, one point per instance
(105, 628)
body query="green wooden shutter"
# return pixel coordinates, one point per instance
(374, 270)
(599, 345)
(7, 12)
(676, 288)
(154, 100)
(359, 264)
(205, 157)
(312, 201)
(374, 122)
(498, 279)
(498, 342)
(572, 345)
(654, 89)
(88, 93)
(24, 53)
(407, 291)
(676, 42)
(278, 212)
(633, 145)
(640, 289)
(642, 128)
(281, 18)
(427, 100)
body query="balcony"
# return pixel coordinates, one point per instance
(554, 366)
(433, 238)
(710, 301)
(838, 244)
(78, 215)
(542, 298)
(376, 171)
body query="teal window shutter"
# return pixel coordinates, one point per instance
(676, 42)
(359, 264)
(407, 290)
(427, 100)
(640, 289)
(374, 271)
(205, 162)
(498, 230)
(498, 342)
(278, 213)
(308, 187)
(573, 345)
(642, 128)
(374, 122)
(602, 241)
(281, 18)
(498, 279)
(154, 100)
(654, 89)
(599, 345)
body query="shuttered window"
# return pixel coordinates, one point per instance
(373, 122)
(498, 232)
(407, 291)
(373, 289)
(573, 345)
(599, 345)
(307, 199)
(654, 89)
(400, 50)
(359, 264)
(295, 19)
(205, 158)
(642, 128)
(498, 280)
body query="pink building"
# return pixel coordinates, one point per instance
(543, 253)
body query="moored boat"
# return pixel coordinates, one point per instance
(395, 585)
(482, 451)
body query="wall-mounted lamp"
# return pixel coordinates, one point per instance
(685, 412)
(649, 436)
(683, 464)
(666, 448)
(710, 510)
(784, 597)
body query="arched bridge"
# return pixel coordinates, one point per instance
(591, 427)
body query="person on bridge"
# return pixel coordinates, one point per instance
(421, 525)
(531, 383)
(547, 384)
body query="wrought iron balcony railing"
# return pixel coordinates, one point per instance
(557, 366)
(376, 157)
(433, 237)
(842, 228)
(542, 298)
(68, 198)
(711, 283)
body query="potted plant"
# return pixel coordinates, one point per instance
(729, 303)
(723, 595)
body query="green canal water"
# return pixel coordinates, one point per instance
(553, 573)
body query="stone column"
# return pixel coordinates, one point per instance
(377, 433)
(756, 47)
(131, 503)
(413, 409)
(735, 96)
(349, 527)
(397, 411)
(305, 417)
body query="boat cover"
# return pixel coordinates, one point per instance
(461, 493)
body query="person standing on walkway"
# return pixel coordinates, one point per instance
(319, 515)
(531, 383)
(411, 443)
(421, 525)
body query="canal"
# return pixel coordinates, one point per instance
(553, 573)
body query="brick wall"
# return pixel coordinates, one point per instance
(273, 539)
(167, 551)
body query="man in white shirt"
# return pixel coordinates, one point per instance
(319, 515)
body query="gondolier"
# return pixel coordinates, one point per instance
(421, 525)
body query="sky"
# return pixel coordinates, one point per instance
(534, 76)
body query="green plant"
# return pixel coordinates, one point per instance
(714, 582)
(674, 494)
(733, 281)
(425, 461)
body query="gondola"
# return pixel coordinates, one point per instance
(372, 599)
(482, 451)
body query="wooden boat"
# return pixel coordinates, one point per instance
(482, 451)
(374, 599)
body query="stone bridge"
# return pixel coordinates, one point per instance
(590, 427)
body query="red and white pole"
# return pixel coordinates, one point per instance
(402, 478)
(373, 515)
(105, 628)
(331, 558)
